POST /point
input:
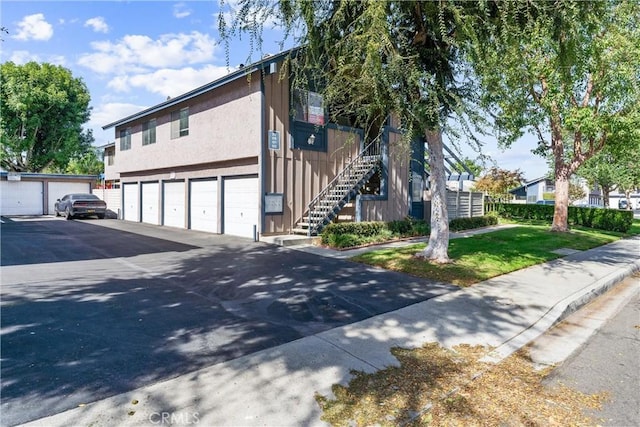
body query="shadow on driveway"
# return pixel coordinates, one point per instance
(86, 337)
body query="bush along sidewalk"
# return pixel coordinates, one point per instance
(356, 234)
(600, 218)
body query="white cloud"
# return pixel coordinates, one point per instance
(104, 114)
(110, 112)
(22, 57)
(140, 53)
(98, 24)
(180, 10)
(168, 82)
(34, 27)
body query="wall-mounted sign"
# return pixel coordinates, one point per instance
(13, 176)
(274, 140)
(274, 203)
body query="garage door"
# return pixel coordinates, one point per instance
(130, 203)
(21, 198)
(173, 204)
(241, 212)
(57, 190)
(203, 205)
(150, 202)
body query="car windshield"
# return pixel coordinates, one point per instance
(84, 197)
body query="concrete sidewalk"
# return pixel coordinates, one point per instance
(277, 386)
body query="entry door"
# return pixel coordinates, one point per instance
(131, 203)
(241, 209)
(150, 202)
(173, 204)
(203, 205)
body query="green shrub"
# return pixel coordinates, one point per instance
(342, 240)
(459, 224)
(350, 234)
(602, 219)
(401, 228)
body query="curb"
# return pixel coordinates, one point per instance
(560, 311)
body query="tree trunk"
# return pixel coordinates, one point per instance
(438, 245)
(562, 174)
(606, 189)
(561, 210)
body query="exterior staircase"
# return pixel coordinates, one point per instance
(345, 186)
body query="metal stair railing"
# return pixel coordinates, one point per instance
(321, 208)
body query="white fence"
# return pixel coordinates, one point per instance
(113, 198)
(460, 204)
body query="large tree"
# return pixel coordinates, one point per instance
(614, 168)
(373, 58)
(569, 71)
(43, 110)
(497, 182)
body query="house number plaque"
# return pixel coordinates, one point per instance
(274, 140)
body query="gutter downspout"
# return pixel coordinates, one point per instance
(262, 158)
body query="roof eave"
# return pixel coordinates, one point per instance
(250, 69)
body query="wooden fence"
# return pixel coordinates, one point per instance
(460, 204)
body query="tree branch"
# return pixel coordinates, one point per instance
(587, 93)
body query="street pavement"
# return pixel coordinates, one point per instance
(277, 386)
(601, 345)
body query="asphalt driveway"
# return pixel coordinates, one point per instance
(93, 308)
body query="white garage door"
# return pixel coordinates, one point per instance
(57, 190)
(203, 205)
(150, 202)
(241, 211)
(173, 204)
(130, 203)
(21, 198)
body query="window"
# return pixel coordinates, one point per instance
(110, 155)
(309, 131)
(309, 107)
(180, 123)
(125, 139)
(149, 132)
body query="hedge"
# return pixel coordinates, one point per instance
(349, 234)
(600, 218)
(459, 224)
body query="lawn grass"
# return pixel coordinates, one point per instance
(483, 256)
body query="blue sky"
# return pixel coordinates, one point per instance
(134, 54)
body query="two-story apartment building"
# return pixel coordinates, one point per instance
(249, 154)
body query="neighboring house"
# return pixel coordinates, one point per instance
(248, 154)
(534, 190)
(615, 198)
(27, 193)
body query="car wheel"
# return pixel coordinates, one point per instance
(68, 214)
(100, 216)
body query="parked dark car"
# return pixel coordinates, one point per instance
(77, 205)
(622, 204)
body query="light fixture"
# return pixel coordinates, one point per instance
(311, 140)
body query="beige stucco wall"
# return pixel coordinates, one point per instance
(110, 171)
(224, 124)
